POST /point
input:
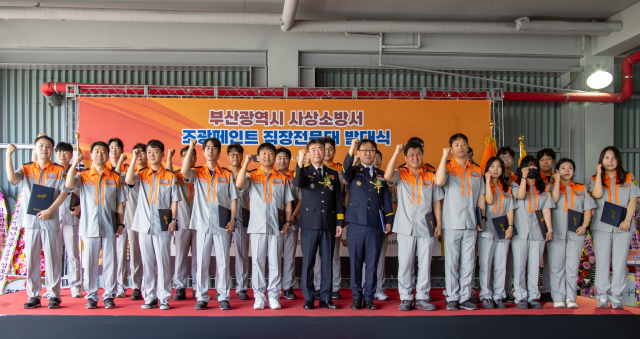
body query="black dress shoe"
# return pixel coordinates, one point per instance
(288, 293)
(54, 303)
(242, 295)
(317, 294)
(224, 305)
(201, 305)
(356, 304)
(181, 294)
(368, 303)
(336, 295)
(328, 304)
(308, 305)
(546, 297)
(136, 295)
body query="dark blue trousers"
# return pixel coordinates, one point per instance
(311, 242)
(365, 244)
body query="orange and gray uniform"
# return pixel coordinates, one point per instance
(69, 237)
(416, 195)
(565, 248)
(41, 234)
(462, 188)
(491, 249)
(130, 237)
(610, 243)
(99, 195)
(335, 263)
(185, 238)
(290, 241)
(213, 189)
(156, 190)
(269, 192)
(527, 247)
(241, 242)
(546, 269)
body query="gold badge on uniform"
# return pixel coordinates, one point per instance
(312, 186)
(358, 183)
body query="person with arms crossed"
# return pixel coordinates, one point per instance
(271, 208)
(573, 202)
(534, 226)
(158, 192)
(329, 155)
(215, 200)
(418, 199)
(464, 193)
(103, 201)
(370, 215)
(321, 220)
(612, 187)
(492, 248)
(185, 239)
(42, 231)
(283, 159)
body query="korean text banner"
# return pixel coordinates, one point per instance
(283, 122)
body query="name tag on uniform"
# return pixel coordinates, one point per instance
(453, 174)
(257, 182)
(579, 193)
(626, 184)
(32, 176)
(51, 176)
(506, 195)
(164, 182)
(379, 177)
(475, 174)
(277, 181)
(543, 194)
(223, 180)
(88, 183)
(145, 181)
(426, 182)
(406, 181)
(110, 182)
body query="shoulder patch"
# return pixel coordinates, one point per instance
(514, 185)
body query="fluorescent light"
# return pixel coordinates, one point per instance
(599, 79)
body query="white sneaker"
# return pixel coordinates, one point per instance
(164, 306)
(381, 296)
(274, 304)
(559, 304)
(571, 304)
(259, 304)
(76, 292)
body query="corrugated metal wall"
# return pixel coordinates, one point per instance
(539, 122)
(627, 124)
(25, 112)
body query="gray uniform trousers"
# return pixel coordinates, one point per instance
(265, 246)
(564, 262)
(49, 242)
(611, 248)
(526, 258)
(221, 244)
(492, 251)
(122, 273)
(241, 245)
(185, 240)
(289, 257)
(459, 262)
(156, 267)
(380, 269)
(508, 284)
(335, 266)
(546, 272)
(135, 258)
(69, 237)
(408, 247)
(91, 258)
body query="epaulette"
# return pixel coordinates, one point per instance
(429, 165)
(430, 170)
(198, 167)
(448, 161)
(81, 170)
(175, 172)
(339, 163)
(283, 172)
(226, 169)
(307, 165)
(29, 163)
(475, 164)
(58, 165)
(253, 170)
(403, 166)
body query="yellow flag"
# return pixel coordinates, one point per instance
(522, 151)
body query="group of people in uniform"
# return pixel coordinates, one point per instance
(139, 209)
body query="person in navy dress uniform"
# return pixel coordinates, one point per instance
(369, 216)
(321, 220)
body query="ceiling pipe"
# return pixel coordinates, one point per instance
(51, 90)
(289, 14)
(137, 15)
(287, 21)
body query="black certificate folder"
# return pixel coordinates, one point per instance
(574, 220)
(115, 220)
(165, 219)
(431, 223)
(613, 214)
(500, 225)
(41, 199)
(281, 219)
(224, 216)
